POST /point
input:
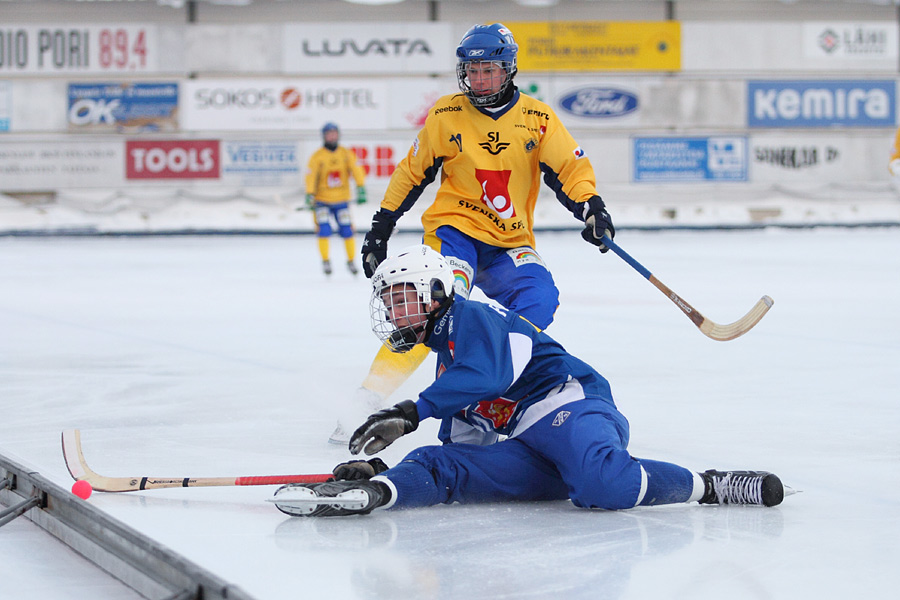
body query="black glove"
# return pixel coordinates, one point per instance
(385, 427)
(360, 469)
(597, 223)
(374, 248)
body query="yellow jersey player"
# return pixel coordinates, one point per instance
(492, 146)
(328, 193)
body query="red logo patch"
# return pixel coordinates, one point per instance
(495, 192)
(497, 411)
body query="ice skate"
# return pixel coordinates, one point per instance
(352, 267)
(331, 499)
(354, 414)
(339, 435)
(742, 487)
(326, 267)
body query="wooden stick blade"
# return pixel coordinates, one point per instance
(71, 447)
(723, 333)
(79, 470)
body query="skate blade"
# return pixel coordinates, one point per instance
(339, 436)
(303, 501)
(789, 491)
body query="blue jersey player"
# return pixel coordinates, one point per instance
(492, 149)
(500, 378)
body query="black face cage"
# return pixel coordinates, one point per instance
(490, 99)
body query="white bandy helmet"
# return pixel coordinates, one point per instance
(416, 268)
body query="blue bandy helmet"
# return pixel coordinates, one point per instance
(486, 44)
(329, 127)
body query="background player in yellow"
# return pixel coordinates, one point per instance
(492, 145)
(328, 193)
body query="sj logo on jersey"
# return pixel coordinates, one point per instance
(494, 146)
(495, 192)
(334, 179)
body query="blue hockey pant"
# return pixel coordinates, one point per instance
(577, 452)
(340, 212)
(515, 277)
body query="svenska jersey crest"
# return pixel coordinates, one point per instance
(495, 192)
(333, 179)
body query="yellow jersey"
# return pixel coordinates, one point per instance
(895, 150)
(491, 166)
(329, 173)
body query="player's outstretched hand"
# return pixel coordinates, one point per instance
(374, 248)
(384, 428)
(360, 469)
(597, 223)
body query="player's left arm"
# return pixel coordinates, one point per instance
(482, 369)
(484, 366)
(568, 172)
(359, 176)
(356, 170)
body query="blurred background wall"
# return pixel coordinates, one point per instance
(160, 116)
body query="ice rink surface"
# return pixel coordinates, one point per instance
(224, 356)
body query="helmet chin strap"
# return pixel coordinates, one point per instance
(405, 338)
(437, 313)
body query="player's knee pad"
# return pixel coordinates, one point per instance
(342, 216)
(448, 464)
(414, 485)
(612, 481)
(520, 281)
(429, 457)
(345, 231)
(324, 229)
(538, 304)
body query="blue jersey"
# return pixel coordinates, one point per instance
(501, 376)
